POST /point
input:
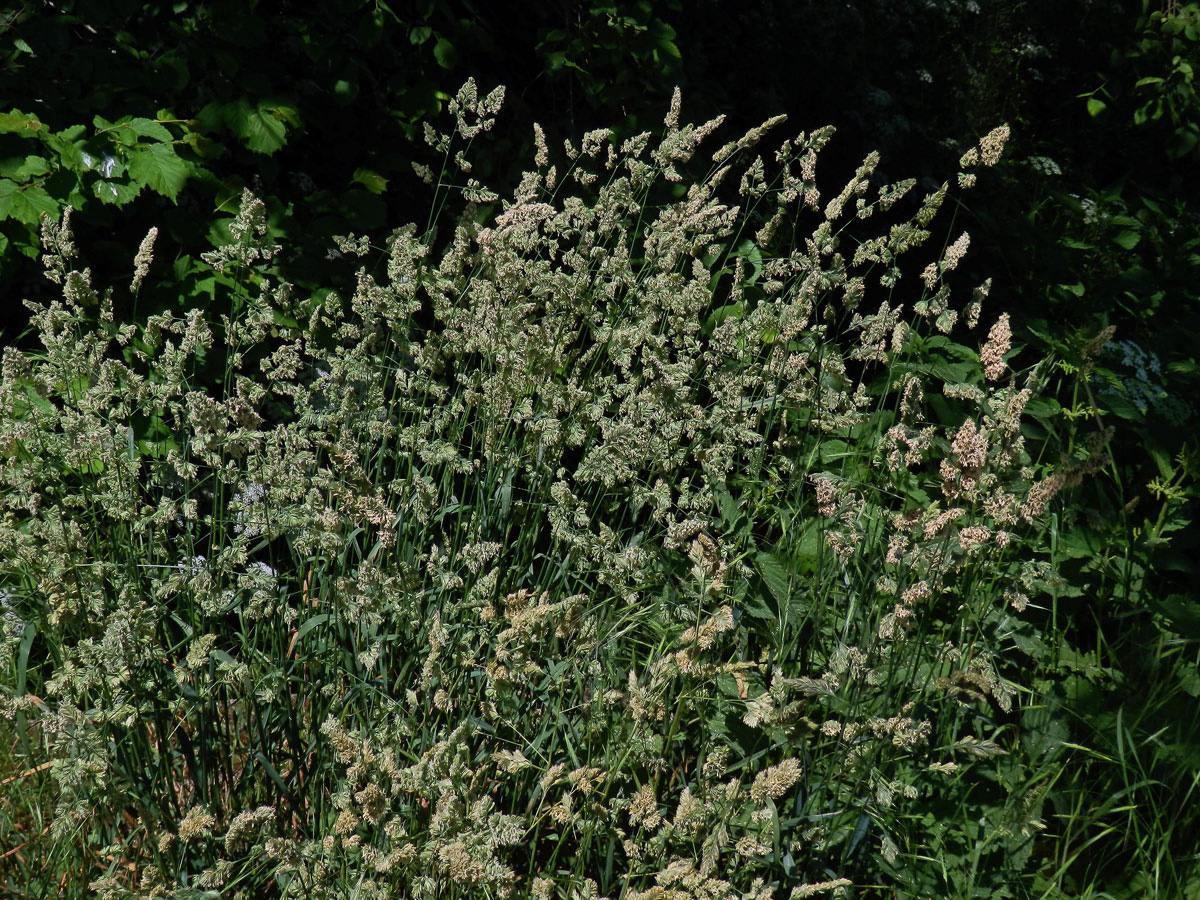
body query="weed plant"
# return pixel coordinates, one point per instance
(662, 533)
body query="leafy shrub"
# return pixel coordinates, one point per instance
(618, 544)
(204, 99)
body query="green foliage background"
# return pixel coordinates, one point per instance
(147, 114)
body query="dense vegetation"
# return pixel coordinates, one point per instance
(682, 511)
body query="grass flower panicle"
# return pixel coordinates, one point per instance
(577, 549)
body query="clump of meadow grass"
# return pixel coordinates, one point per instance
(616, 543)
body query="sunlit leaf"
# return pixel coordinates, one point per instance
(116, 193)
(445, 54)
(17, 122)
(149, 128)
(26, 203)
(372, 181)
(159, 168)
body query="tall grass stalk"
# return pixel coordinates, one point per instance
(650, 535)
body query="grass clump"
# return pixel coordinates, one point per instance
(633, 539)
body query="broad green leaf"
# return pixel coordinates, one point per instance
(774, 575)
(1043, 408)
(107, 166)
(17, 122)
(750, 252)
(755, 607)
(420, 34)
(808, 547)
(1127, 239)
(345, 89)
(202, 145)
(262, 129)
(70, 155)
(71, 133)
(31, 168)
(1182, 613)
(832, 450)
(286, 321)
(1149, 112)
(149, 128)
(156, 449)
(731, 515)
(1096, 107)
(372, 181)
(117, 193)
(36, 399)
(1186, 137)
(721, 313)
(445, 54)
(157, 167)
(25, 203)
(1078, 543)
(119, 129)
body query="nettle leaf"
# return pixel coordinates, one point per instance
(774, 575)
(808, 547)
(754, 606)
(25, 203)
(159, 168)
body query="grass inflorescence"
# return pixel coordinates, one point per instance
(660, 533)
